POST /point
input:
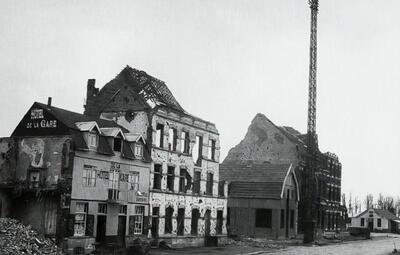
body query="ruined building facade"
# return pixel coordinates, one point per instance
(77, 179)
(187, 201)
(267, 142)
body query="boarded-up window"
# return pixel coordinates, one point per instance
(157, 176)
(181, 222)
(168, 220)
(263, 218)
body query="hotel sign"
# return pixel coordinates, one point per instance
(38, 120)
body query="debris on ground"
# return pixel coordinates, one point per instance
(257, 242)
(16, 239)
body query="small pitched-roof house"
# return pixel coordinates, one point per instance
(377, 220)
(262, 198)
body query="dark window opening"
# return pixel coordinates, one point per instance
(220, 221)
(263, 218)
(282, 218)
(379, 223)
(209, 184)
(211, 149)
(362, 222)
(160, 135)
(169, 211)
(157, 176)
(196, 182)
(181, 222)
(221, 185)
(170, 178)
(195, 221)
(117, 144)
(291, 218)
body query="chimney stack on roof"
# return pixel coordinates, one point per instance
(49, 101)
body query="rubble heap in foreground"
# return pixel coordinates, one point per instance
(16, 238)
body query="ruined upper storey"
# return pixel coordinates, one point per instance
(133, 92)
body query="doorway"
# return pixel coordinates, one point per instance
(371, 224)
(122, 229)
(101, 229)
(207, 222)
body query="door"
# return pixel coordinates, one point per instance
(101, 229)
(207, 222)
(155, 222)
(122, 229)
(371, 224)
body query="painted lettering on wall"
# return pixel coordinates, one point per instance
(38, 120)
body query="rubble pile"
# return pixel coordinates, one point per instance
(259, 243)
(16, 238)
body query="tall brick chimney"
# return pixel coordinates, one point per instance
(91, 94)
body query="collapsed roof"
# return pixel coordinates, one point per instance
(130, 89)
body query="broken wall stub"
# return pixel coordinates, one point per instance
(7, 161)
(39, 160)
(266, 142)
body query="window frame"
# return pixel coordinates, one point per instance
(89, 176)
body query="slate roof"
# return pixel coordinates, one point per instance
(70, 118)
(386, 214)
(250, 179)
(383, 213)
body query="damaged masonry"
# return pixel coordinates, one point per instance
(134, 165)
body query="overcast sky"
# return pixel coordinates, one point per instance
(224, 61)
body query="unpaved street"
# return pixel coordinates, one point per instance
(379, 244)
(366, 247)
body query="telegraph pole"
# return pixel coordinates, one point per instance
(309, 183)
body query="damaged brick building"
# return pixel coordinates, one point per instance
(266, 142)
(77, 179)
(187, 201)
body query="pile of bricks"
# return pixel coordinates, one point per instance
(16, 238)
